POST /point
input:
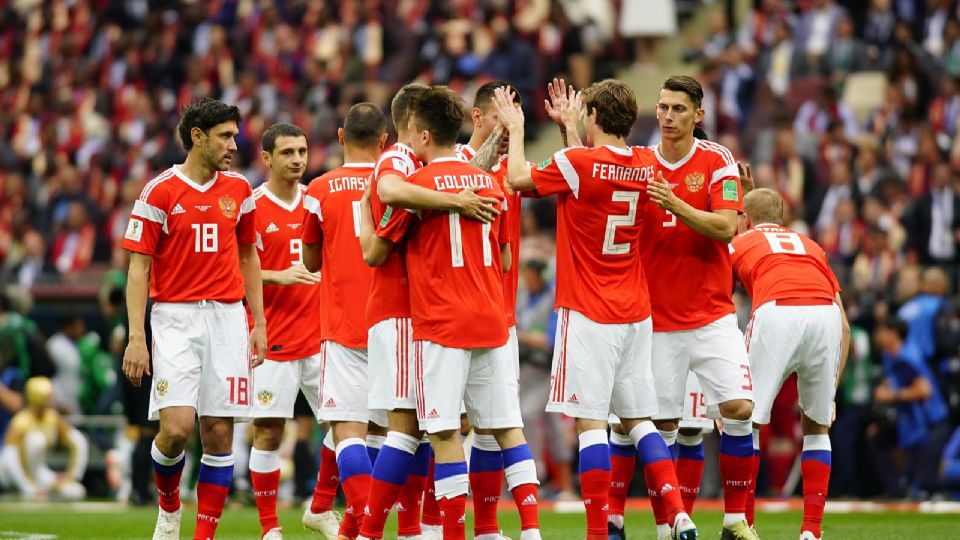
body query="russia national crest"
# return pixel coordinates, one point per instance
(694, 182)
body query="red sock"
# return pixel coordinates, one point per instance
(431, 506)
(736, 469)
(623, 464)
(525, 497)
(486, 483)
(815, 468)
(328, 478)
(656, 503)
(408, 505)
(661, 477)
(595, 489)
(265, 487)
(349, 526)
(454, 517)
(689, 473)
(752, 492)
(167, 472)
(213, 485)
(380, 501)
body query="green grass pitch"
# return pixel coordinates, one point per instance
(61, 521)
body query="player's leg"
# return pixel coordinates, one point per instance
(719, 357)
(272, 405)
(343, 399)
(226, 388)
(669, 365)
(635, 400)
(441, 379)
(818, 358)
(623, 465)
(493, 403)
(400, 469)
(376, 436)
(585, 357)
(689, 449)
(173, 401)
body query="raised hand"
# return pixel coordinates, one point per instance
(510, 115)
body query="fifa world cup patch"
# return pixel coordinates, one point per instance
(544, 164)
(730, 190)
(134, 230)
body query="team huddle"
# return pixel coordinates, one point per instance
(408, 340)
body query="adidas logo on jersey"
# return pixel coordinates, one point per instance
(330, 403)
(529, 500)
(433, 414)
(177, 210)
(272, 227)
(573, 399)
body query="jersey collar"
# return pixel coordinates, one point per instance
(621, 151)
(204, 188)
(357, 165)
(674, 166)
(279, 202)
(447, 159)
(767, 225)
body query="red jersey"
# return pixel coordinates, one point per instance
(509, 234)
(191, 233)
(465, 152)
(333, 218)
(688, 273)
(293, 327)
(775, 263)
(456, 281)
(601, 193)
(389, 288)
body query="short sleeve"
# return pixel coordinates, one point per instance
(394, 223)
(556, 175)
(147, 221)
(247, 222)
(905, 373)
(725, 191)
(507, 216)
(312, 220)
(394, 162)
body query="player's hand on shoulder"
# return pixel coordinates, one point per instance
(136, 361)
(258, 345)
(298, 275)
(479, 208)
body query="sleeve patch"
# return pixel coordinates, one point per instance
(134, 230)
(544, 164)
(386, 216)
(730, 192)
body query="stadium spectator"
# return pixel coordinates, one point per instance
(933, 221)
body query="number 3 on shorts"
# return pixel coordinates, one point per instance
(747, 376)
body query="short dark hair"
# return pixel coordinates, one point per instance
(485, 94)
(688, 85)
(268, 141)
(364, 125)
(897, 325)
(440, 111)
(204, 113)
(401, 103)
(616, 106)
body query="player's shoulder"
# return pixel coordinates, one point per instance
(234, 180)
(713, 153)
(159, 185)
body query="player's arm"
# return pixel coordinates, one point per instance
(844, 339)
(395, 191)
(518, 170)
(506, 258)
(490, 150)
(136, 360)
(10, 400)
(375, 249)
(252, 284)
(720, 224)
(296, 274)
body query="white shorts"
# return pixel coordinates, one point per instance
(802, 339)
(343, 386)
(275, 384)
(390, 354)
(599, 369)
(695, 406)
(201, 359)
(482, 380)
(715, 352)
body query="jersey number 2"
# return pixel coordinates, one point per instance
(456, 242)
(609, 246)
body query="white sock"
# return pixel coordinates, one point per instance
(616, 520)
(730, 519)
(530, 534)
(663, 529)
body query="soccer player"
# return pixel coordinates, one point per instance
(798, 325)
(602, 355)
(33, 431)
(390, 343)
(191, 234)
(695, 201)
(291, 300)
(329, 237)
(461, 352)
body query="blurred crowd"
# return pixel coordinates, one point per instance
(849, 109)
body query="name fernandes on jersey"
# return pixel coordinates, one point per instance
(609, 171)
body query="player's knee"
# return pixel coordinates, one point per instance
(689, 432)
(267, 434)
(174, 436)
(737, 409)
(810, 427)
(667, 425)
